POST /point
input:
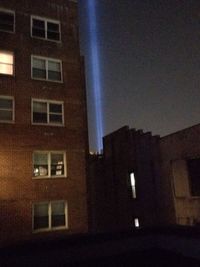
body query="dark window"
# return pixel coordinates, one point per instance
(46, 69)
(6, 21)
(58, 214)
(47, 112)
(38, 28)
(49, 215)
(53, 31)
(41, 217)
(43, 28)
(6, 109)
(39, 112)
(194, 174)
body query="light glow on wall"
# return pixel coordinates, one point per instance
(95, 68)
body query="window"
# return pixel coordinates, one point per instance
(6, 63)
(47, 112)
(46, 69)
(50, 215)
(194, 175)
(49, 164)
(133, 186)
(136, 223)
(7, 20)
(6, 109)
(45, 28)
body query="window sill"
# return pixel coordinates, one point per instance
(50, 229)
(49, 177)
(7, 122)
(48, 124)
(7, 31)
(46, 39)
(45, 80)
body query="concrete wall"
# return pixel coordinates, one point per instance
(179, 205)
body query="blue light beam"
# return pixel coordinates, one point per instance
(95, 69)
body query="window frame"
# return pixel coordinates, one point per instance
(46, 68)
(11, 12)
(48, 102)
(50, 228)
(13, 65)
(13, 108)
(46, 20)
(49, 176)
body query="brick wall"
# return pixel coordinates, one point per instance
(18, 191)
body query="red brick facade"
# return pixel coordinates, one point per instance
(18, 140)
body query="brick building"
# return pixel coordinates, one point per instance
(145, 180)
(43, 124)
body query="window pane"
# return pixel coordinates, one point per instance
(54, 76)
(6, 115)
(55, 108)
(53, 27)
(39, 68)
(41, 209)
(58, 214)
(53, 118)
(6, 21)
(40, 107)
(40, 164)
(6, 103)
(194, 175)
(57, 164)
(38, 28)
(39, 63)
(41, 216)
(39, 112)
(54, 66)
(53, 31)
(6, 58)
(6, 63)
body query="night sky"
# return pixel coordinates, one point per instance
(150, 64)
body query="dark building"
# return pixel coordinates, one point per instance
(145, 180)
(123, 181)
(180, 184)
(43, 124)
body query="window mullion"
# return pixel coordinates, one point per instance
(49, 214)
(48, 116)
(47, 67)
(45, 29)
(49, 164)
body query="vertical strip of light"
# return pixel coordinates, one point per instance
(95, 69)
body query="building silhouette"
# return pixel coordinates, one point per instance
(43, 124)
(142, 180)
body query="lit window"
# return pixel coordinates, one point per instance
(6, 109)
(50, 215)
(7, 21)
(136, 223)
(49, 164)
(45, 29)
(6, 63)
(133, 186)
(47, 112)
(46, 69)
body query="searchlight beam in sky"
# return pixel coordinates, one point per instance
(95, 67)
